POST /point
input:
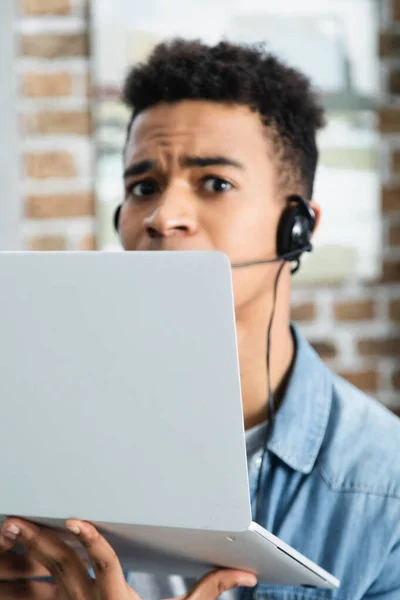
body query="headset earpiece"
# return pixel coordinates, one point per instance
(116, 218)
(295, 228)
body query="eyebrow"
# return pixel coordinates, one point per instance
(145, 166)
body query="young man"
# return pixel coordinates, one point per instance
(221, 139)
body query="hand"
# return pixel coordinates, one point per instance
(47, 554)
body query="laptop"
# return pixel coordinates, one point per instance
(119, 372)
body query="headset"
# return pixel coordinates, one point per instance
(295, 229)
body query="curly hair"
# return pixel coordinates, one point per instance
(236, 74)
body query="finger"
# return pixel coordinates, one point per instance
(28, 591)
(62, 562)
(15, 566)
(217, 582)
(106, 566)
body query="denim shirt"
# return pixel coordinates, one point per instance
(330, 488)
(331, 484)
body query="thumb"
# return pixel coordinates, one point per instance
(214, 584)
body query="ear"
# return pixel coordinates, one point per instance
(317, 210)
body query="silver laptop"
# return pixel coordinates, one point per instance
(121, 405)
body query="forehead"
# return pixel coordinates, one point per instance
(198, 127)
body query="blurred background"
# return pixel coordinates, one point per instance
(63, 129)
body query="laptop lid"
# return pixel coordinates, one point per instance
(120, 389)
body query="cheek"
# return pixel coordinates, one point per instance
(246, 231)
(130, 226)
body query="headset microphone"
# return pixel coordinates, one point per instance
(289, 257)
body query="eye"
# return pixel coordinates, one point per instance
(216, 185)
(146, 187)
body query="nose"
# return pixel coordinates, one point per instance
(173, 215)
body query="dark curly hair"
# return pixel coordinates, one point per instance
(241, 75)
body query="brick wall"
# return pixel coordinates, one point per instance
(354, 326)
(57, 151)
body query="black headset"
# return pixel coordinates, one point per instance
(294, 233)
(116, 218)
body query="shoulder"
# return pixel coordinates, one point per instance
(362, 443)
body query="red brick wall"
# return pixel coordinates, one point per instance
(356, 326)
(57, 150)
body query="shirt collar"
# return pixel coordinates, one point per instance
(301, 422)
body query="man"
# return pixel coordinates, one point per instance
(221, 139)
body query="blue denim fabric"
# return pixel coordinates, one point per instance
(331, 484)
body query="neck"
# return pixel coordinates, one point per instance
(252, 326)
